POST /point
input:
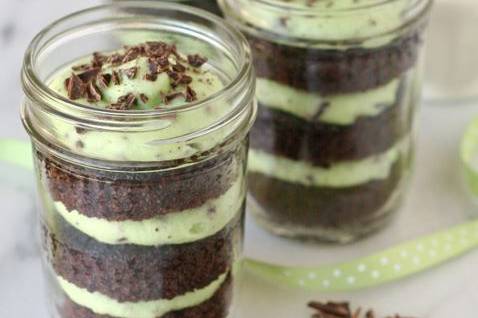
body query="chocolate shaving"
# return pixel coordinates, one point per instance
(156, 49)
(143, 98)
(80, 130)
(93, 93)
(103, 80)
(341, 310)
(115, 59)
(115, 77)
(81, 67)
(332, 309)
(89, 74)
(150, 77)
(132, 53)
(131, 72)
(196, 60)
(75, 87)
(170, 97)
(179, 68)
(124, 102)
(190, 94)
(98, 59)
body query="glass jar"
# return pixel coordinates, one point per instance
(208, 5)
(338, 83)
(142, 210)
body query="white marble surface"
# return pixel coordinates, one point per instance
(436, 201)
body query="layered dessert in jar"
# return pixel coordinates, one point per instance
(338, 84)
(140, 152)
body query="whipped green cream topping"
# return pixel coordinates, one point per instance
(174, 228)
(366, 22)
(149, 143)
(342, 109)
(339, 175)
(103, 305)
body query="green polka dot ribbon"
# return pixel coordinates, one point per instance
(390, 265)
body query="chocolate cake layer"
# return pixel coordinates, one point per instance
(216, 307)
(290, 203)
(281, 133)
(131, 273)
(330, 71)
(127, 195)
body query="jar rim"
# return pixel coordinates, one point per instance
(300, 8)
(272, 18)
(39, 92)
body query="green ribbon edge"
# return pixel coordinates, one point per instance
(393, 264)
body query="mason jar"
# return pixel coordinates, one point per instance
(208, 5)
(338, 83)
(142, 205)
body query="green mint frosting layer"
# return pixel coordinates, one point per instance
(148, 144)
(339, 175)
(320, 20)
(103, 305)
(175, 228)
(341, 109)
